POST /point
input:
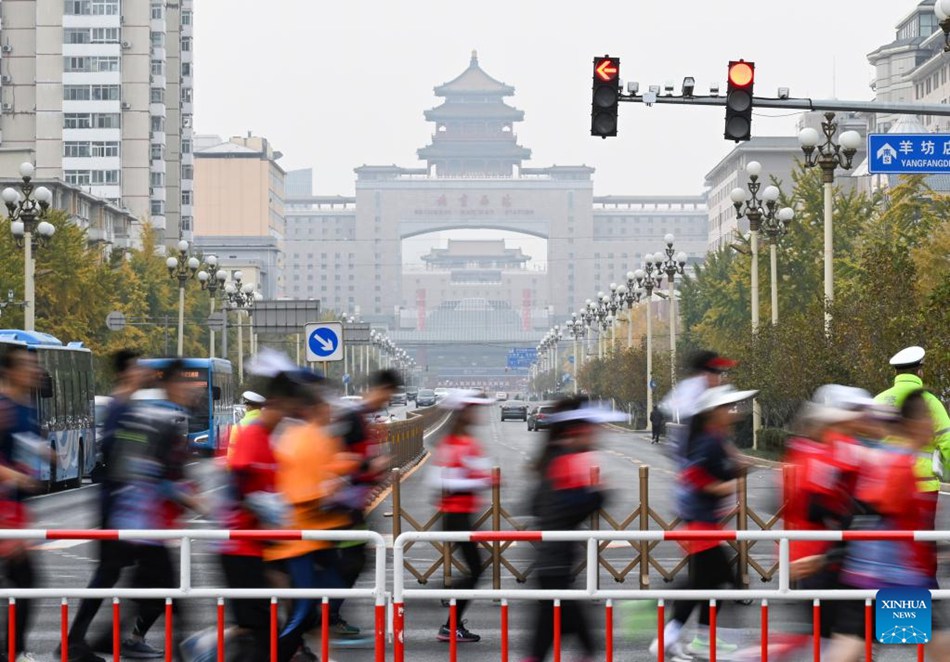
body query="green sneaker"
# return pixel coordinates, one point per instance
(701, 648)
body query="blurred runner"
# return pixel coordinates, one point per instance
(311, 465)
(19, 441)
(462, 471)
(565, 499)
(251, 501)
(130, 377)
(364, 440)
(678, 407)
(892, 497)
(151, 447)
(710, 469)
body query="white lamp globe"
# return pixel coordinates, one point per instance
(738, 195)
(202, 276)
(669, 239)
(27, 169)
(10, 196)
(212, 260)
(46, 229)
(43, 194)
(771, 193)
(193, 263)
(171, 263)
(754, 169)
(808, 137)
(851, 140)
(786, 214)
(183, 246)
(17, 228)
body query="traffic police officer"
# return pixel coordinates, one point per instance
(909, 366)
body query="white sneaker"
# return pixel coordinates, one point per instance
(672, 649)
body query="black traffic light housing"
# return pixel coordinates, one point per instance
(739, 99)
(605, 97)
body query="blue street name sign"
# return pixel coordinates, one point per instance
(908, 153)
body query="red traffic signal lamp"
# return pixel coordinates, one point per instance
(741, 81)
(605, 97)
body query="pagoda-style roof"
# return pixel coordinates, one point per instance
(474, 80)
(474, 111)
(480, 149)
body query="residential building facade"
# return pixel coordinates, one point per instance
(93, 92)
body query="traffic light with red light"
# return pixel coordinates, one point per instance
(605, 97)
(739, 100)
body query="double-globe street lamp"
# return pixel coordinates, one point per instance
(26, 210)
(182, 267)
(829, 156)
(632, 295)
(650, 278)
(775, 227)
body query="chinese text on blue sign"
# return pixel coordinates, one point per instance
(906, 153)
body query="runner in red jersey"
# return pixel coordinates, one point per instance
(463, 471)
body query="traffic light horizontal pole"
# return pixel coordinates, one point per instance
(804, 104)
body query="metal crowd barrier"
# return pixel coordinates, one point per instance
(592, 592)
(185, 590)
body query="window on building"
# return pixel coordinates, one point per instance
(158, 39)
(74, 64)
(77, 93)
(186, 68)
(186, 93)
(105, 148)
(107, 121)
(158, 10)
(105, 7)
(104, 63)
(158, 68)
(185, 44)
(187, 172)
(186, 197)
(157, 95)
(156, 179)
(105, 92)
(77, 121)
(77, 36)
(158, 152)
(77, 177)
(186, 146)
(105, 177)
(158, 207)
(158, 124)
(77, 7)
(186, 18)
(76, 149)
(186, 223)
(105, 35)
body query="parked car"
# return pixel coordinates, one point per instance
(514, 410)
(426, 398)
(537, 417)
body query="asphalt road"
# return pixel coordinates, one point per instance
(69, 563)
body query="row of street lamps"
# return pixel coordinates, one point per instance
(603, 314)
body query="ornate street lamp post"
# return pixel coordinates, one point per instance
(633, 294)
(650, 278)
(674, 264)
(575, 329)
(829, 156)
(775, 227)
(26, 210)
(212, 280)
(183, 267)
(749, 205)
(240, 296)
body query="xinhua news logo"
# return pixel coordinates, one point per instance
(903, 616)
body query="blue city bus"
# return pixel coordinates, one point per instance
(65, 406)
(209, 422)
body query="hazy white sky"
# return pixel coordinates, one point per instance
(334, 85)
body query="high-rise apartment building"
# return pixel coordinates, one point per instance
(98, 94)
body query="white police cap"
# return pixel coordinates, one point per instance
(908, 357)
(253, 398)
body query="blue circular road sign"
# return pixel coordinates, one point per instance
(323, 342)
